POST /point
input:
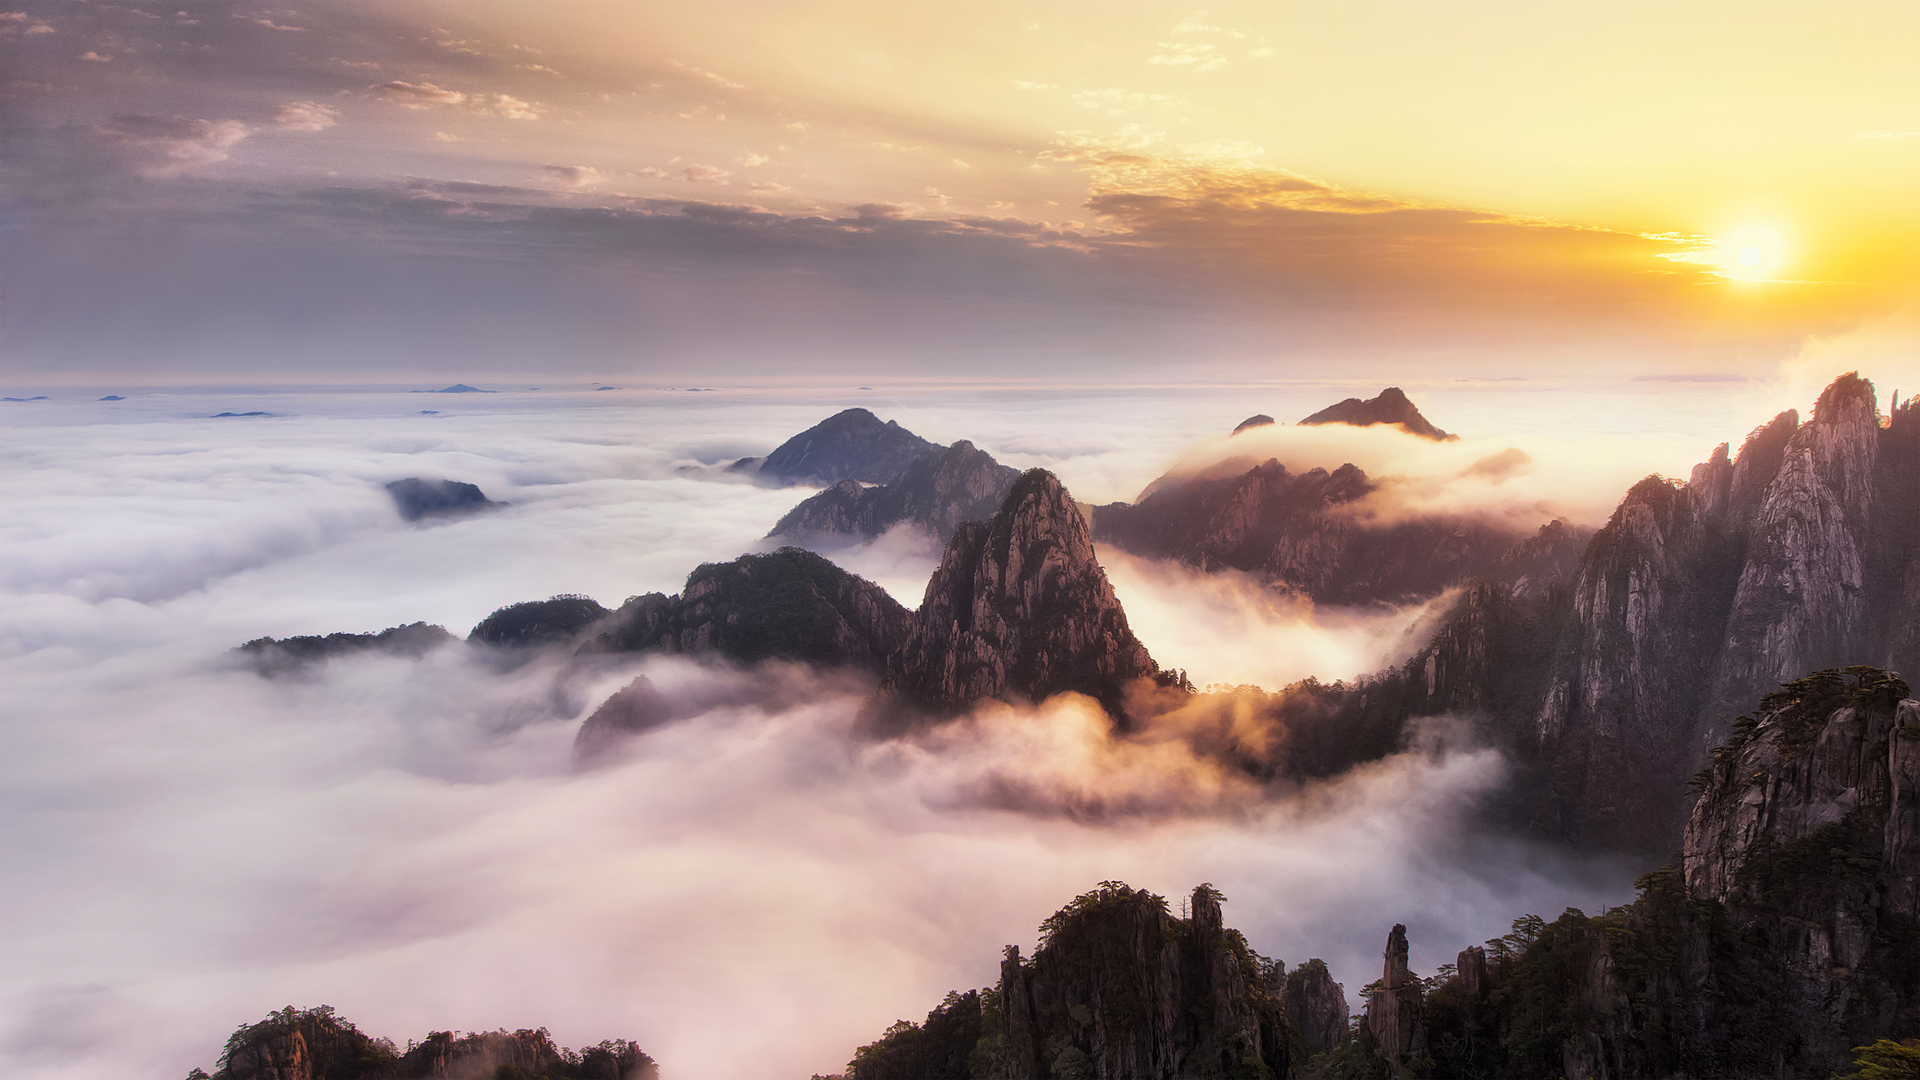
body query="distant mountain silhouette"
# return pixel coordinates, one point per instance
(457, 388)
(1390, 407)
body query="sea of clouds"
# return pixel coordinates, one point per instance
(751, 890)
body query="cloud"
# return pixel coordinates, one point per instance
(575, 177)
(877, 211)
(417, 95)
(305, 116)
(704, 174)
(269, 23)
(1194, 56)
(21, 24)
(94, 57)
(389, 835)
(426, 95)
(170, 146)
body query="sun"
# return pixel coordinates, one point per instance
(1751, 253)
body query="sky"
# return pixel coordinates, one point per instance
(793, 192)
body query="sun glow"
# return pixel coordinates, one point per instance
(1750, 253)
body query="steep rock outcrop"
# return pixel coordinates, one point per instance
(1019, 609)
(1119, 989)
(1316, 1006)
(1390, 406)
(849, 445)
(1254, 421)
(1393, 1009)
(940, 490)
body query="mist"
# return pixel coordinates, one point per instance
(754, 889)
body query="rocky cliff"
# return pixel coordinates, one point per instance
(1018, 609)
(316, 1044)
(1390, 406)
(849, 445)
(1610, 676)
(1702, 595)
(1119, 989)
(1302, 533)
(939, 490)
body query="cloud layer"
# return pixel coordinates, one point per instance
(405, 840)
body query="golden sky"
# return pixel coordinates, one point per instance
(1678, 186)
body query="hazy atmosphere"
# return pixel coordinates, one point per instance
(1593, 242)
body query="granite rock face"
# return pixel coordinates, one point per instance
(939, 490)
(432, 500)
(1254, 421)
(1701, 596)
(1391, 406)
(1018, 609)
(1316, 1006)
(849, 445)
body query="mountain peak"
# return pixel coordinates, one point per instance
(1019, 608)
(852, 444)
(1391, 406)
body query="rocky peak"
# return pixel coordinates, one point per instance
(1019, 609)
(850, 445)
(939, 490)
(1391, 406)
(1254, 421)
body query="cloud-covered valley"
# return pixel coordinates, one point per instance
(192, 844)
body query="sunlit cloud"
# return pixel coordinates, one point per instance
(305, 116)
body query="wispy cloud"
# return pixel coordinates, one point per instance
(305, 116)
(1196, 56)
(425, 95)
